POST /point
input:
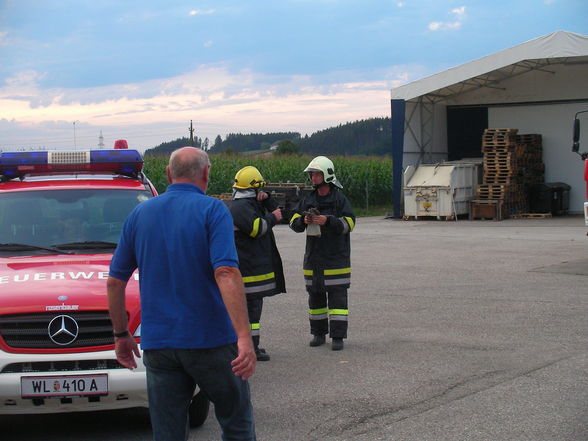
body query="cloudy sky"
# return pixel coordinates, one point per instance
(141, 70)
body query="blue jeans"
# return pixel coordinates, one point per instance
(172, 375)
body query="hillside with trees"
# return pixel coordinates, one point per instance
(167, 147)
(365, 137)
(239, 143)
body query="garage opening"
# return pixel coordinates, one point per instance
(465, 126)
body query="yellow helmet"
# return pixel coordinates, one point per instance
(248, 177)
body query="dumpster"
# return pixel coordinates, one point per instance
(550, 197)
(441, 190)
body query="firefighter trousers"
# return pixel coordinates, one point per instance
(328, 311)
(254, 307)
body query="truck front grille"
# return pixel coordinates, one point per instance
(80, 329)
(60, 366)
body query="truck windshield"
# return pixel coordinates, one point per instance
(56, 217)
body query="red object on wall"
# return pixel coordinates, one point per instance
(586, 175)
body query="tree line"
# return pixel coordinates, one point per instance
(371, 136)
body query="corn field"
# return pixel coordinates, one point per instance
(367, 181)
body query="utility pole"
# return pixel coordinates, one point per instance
(101, 141)
(191, 134)
(75, 143)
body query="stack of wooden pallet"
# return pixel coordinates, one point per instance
(512, 163)
(529, 152)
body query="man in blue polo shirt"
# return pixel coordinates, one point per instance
(194, 322)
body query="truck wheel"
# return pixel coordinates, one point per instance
(198, 411)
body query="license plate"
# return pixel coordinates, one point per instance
(64, 386)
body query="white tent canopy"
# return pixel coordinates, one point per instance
(559, 47)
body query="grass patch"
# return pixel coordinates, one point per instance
(378, 210)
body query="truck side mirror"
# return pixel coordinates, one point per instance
(576, 144)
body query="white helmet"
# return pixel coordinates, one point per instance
(324, 165)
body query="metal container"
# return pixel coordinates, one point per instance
(441, 190)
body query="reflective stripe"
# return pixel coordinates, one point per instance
(334, 272)
(350, 222)
(345, 225)
(263, 227)
(261, 277)
(338, 314)
(254, 329)
(331, 282)
(318, 311)
(308, 282)
(329, 272)
(259, 227)
(255, 228)
(294, 217)
(338, 318)
(318, 316)
(260, 288)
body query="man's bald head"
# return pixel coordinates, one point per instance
(188, 164)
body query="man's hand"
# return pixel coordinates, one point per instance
(124, 348)
(315, 219)
(278, 215)
(230, 283)
(244, 364)
(262, 195)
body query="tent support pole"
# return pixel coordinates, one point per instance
(398, 108)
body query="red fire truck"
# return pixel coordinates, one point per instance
(61, 215)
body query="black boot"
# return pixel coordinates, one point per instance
(317, 340)
(337, 344)
(261, 355)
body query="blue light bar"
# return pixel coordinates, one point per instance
(15, 164)
(23, 158)
(112, 156)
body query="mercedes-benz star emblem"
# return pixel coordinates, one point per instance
(63, 330)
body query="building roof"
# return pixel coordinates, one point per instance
(559, 47)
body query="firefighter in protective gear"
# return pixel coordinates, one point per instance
(327, 259)
(254, 213)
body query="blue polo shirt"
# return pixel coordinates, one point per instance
(177, 240)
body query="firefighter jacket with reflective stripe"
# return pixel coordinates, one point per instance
(259, 259)
(327, 259)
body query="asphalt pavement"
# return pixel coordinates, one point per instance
(459, 330)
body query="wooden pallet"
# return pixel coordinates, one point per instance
(511, 131)
(529, 139)
(499, 179)
(488, 162)
(498, 191)
(505, 147)
(498, 168)
(222, 196)
(498, 155)
(428, 218)
(499, 137)
(501, 171)
(531, 216)
(486, 209)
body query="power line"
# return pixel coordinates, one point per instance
(134, 134)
